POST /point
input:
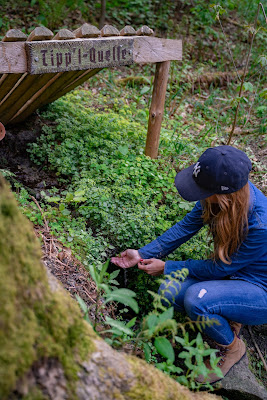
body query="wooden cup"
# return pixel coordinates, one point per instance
(2, 131)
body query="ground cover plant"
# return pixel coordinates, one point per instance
(157, 333)
(110, 196)
(114, 196)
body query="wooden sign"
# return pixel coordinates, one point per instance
(70, 55)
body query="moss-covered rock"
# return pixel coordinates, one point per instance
(110, 375)
(35, 322)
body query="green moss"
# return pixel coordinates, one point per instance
(152, 384)
(35, 394)
(34, 321)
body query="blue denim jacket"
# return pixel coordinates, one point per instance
(249, 263)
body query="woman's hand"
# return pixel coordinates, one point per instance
(152, 266)
(129, 258)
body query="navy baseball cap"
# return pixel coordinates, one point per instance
(219, 170)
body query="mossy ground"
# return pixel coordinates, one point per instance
(34, 321)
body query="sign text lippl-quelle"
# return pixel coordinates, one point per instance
(78, 55)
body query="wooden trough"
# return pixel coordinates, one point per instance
(38, 69)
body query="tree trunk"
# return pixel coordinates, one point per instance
(103, 14)
(47, 350)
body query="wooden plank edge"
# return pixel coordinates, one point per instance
(13, 58)
(25, 108)
(153, 50)
(25, 91)
(9, 85)
(19, 78)
(146, 50)
(22, 115)
(72, 85)
(41, 96)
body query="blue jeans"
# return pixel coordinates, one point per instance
(223, 300)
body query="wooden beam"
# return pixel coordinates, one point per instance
(145, 49)
(41, 95)
(153, 50)
(9, 83)
(156, 110)
(22, 93)
(49, 90)
(73, 84)
(57, 86)
(13, 58)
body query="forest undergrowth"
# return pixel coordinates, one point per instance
(109, 196)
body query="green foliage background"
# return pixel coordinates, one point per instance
(110, 195)
(113, 197)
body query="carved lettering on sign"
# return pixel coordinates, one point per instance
(58, 56)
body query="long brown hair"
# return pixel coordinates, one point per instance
(228, 222)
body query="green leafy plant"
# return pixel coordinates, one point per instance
(194, 353)
(156, 332)
(108, 292)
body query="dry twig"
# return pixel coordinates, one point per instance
(257, 348)
(41, 211)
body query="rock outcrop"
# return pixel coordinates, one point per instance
(241, 384)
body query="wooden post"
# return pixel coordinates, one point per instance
(157, 109)
(103, 14)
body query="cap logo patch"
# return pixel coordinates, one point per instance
(224, 188)
(196, 169)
